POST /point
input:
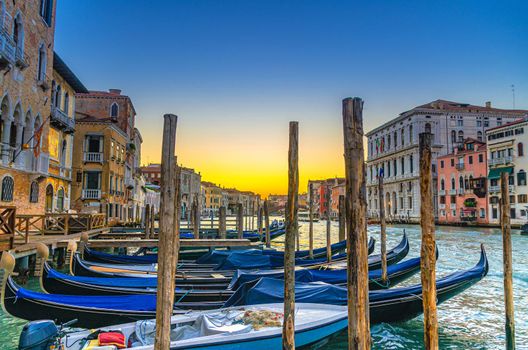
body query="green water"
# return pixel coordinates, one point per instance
(472, 320)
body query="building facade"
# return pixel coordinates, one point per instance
(26, 68)
(393, 147)
(462, 194)
(506, 149)
(99, 161)
(64, 86)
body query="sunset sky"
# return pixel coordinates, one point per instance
(236, 72)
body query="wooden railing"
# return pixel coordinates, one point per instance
(7, 227)
(57, 224)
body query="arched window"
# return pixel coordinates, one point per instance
(453, 136)
(461, 182)
(34, 192)
(402, 136)
(18, 35)
(42, 59)
(49, 198)
(7, 189)
(460, 136)
(46, 8)
(479, 135)
(58, 95)
(114, 110)
(66, 103)
(520, 149)
(452, 183)
(427, 127)
(410, 133)
(442, 184)
(60, 200)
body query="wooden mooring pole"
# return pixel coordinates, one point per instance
(152, 222)
(328, 225)
(428, 250)
(267, 224)
(147, 221)
(342, 220)
(310, 224)
(288, 326)
(259, 221)
(222, 224)
(240, 221)
(169, 238)
(507, 261)
(356, 226)
(383, 233)
(197, 217)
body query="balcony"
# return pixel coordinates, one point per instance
(452, 206)
(7, 49)
(500, 161)
(459, 166)
(452, 192)
(461, 191)
(441, 192)
(441, 206)
(91, 194)
(93, 157)
(20, 60)
(62, 121)
(495, 189)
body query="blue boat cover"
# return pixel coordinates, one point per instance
(145, 302)
(338, 276)
(123, 282)
(269, 290)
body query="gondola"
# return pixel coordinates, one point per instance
(224, 329)
(55, 282)
(97, 256)
(226, 265)
(391, 305)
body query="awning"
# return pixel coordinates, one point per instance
(496, 173)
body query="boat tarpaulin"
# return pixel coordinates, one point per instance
(495, 173)
(123, 282)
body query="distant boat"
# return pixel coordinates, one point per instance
(305, 217)
(524, 230)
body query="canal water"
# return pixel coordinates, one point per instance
(472, 320)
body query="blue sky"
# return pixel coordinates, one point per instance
(237, 71)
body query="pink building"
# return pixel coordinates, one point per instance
(462, 196)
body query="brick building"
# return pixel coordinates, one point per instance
(26, 56)
(462, 195)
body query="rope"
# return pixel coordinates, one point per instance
(184, 295)
(384, 286)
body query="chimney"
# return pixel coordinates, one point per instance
(488, 104)
(115, 91)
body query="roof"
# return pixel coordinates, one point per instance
(440, 106)
(64, 71)
(515, 122)
(113, 94)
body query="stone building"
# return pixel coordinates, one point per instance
(26, 56)
(393, 147)
(64, 86)
(100, 153)
(112, 106)
(506, 149)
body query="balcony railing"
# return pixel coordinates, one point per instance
(7, 48)
(91, 194)
(452, 192)
(61, 120)
(460, 166)
(93, 157)
(441, 206)
(20, 60)
(461, 191)
(511, 188)
(441, 192)
(501, 161)
(452, 206)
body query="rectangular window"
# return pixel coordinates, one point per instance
(92, 180)
(512, 213)
(442, 164)
(470, 159)
(481, 158)
(453, 212)
(452, 162)
(522, 198)
(482, 213)
(494, 213)
(479, 123)
(494, 200)
(521, 178)
(453, 199)
(523, 212)
(410, 202)
(442, 199)
(512, 199)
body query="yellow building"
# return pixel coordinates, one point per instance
(212, 200)
(99, 158)
(60, 137)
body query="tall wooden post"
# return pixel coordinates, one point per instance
(356, 226)
(507, 261)
(152, 222)
(197, 218)
(147, 221)
(428, 250)
(267, 224)
(222, 225)
(310, 224)
(259, 221)
(328, 225)
(240, 221)
(288, 326)
(383, 232)
(342, 221)
(169, 237)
